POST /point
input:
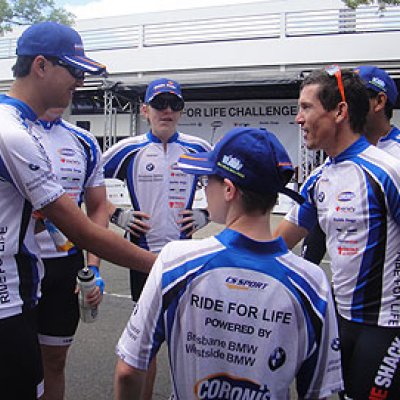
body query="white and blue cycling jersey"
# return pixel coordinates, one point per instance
(391, 142)
(76, 159)
(27, 183)
(355, 197)
(155, 184)
(242, 319)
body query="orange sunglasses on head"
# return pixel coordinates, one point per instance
(334, 70)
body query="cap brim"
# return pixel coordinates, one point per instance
(297, 197)
(161, 91)
(85, 64)
(197, 164)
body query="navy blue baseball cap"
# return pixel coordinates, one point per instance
(252, 158)
(378, 80)
(162, 85)
(56, 40)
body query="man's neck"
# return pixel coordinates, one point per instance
(256, 227)
(343, 140)
(378, 131)
(22, 90)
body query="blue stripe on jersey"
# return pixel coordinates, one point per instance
(195, 147)
(392, 193)
(4, 174)
(128, 165)
(394, 135)
(27, 263)
(115, 166)
(368, 290)
(26, 111)
(88, 145)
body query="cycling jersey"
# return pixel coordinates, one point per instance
(391, 142)
(242, 319)
(75, 156)
(156, 186)
(27, 183)
(356, 197)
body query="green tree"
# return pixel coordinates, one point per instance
(27, 12)
(381, 3)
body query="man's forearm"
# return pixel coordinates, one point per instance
(128, 382)
(106, 244)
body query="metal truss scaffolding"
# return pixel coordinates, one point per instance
(113, 104)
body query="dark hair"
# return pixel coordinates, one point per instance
(388, 106)
(253, 201)
(22, 66)
(258, 202)
(329, 95)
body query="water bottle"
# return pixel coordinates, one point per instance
(61, 242)
(86, 282)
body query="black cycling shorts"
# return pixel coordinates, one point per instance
(21, 370)
(370, 361)
(58, 310)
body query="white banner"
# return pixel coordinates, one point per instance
(212, 119)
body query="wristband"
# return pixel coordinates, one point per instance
(114, 217)
(99, 280)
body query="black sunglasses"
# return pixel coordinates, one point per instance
(77, 73)
(162, 102)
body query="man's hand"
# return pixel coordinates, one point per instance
(95, 296)
(193, 220)
(131, 221)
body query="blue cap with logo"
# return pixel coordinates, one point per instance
(162, 85)
(56, 40)
(378, 80)
(252, 158)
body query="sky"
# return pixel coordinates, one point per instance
(84, 9)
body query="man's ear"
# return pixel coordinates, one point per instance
(143, 110)
(230, 190)
(39, 65)
(379, 102)
(342, 111)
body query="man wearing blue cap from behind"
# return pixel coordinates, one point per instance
(383, 93)
(242, 316)
(50, 65)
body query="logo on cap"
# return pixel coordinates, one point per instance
(378, 82)
(232, 162)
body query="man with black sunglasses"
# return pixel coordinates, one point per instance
(28, 183)
(161, 195)
(355, 197)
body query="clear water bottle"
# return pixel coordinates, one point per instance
(86, 282)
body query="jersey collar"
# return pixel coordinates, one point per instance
(23, 108)
(231, 238)
(356, 148)
(47, 125)
(392, 135)
(153, 138)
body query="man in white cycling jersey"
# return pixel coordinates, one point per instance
(355, 198)
(50, 65)
(242, 316)
(161, 194)
(76, 159)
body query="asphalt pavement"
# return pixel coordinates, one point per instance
(91, 361)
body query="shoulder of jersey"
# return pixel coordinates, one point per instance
(184, 250)
(190, 139)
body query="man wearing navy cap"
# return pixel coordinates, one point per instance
(161, 195)
(50, 65)
(242, 316)
(383, 94)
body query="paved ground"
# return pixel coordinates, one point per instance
(91, 361)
